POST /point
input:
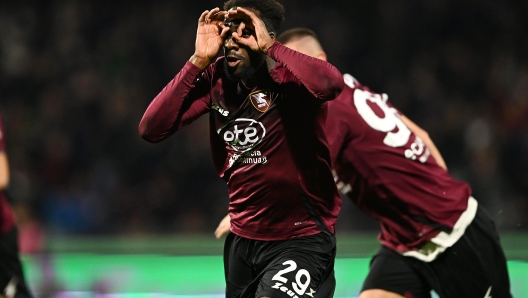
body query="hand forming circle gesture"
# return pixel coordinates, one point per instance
(260, 40)
(210, 37)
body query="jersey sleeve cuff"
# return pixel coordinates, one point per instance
(192, 69)
(273, 49)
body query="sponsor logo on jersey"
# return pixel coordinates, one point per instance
(242, 134)
(261, 100)
(248, 157)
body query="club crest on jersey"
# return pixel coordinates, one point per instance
(261, 100)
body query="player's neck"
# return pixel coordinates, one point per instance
(261, 74)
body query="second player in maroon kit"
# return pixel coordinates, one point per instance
(268, 143)
(434, 234)
(427, 218)
(379, 161)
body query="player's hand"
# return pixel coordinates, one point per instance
(210, 37)
(223, 227)
(252, 31)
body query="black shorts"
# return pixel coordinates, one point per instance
(299, 267)
(11, 273)
(475, 266)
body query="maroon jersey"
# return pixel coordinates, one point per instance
(388, 171)
(7, 220)
(268, 141)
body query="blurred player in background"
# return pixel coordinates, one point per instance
(434, 235)
(267, 109)
(12, 282)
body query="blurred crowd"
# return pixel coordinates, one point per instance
(76, 77)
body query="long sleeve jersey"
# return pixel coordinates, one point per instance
(268, 141)
(390, 174)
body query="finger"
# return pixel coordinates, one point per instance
(241, 28)
(223, 33)
(219, 15)
(249, 22)
(236, 13)
(201, 19)
(210, 14)
(239, 11)
(235, 36)
(241, 40)
(219, 19)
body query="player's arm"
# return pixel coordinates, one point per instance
(4, 171)
(321, 78)
(223, 227)
(177, 105)
(422, 134)
(183, 99)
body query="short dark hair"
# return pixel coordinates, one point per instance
(271, 12)
(295, 33)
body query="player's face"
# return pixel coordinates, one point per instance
(240, 63)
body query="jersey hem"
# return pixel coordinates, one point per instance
(272, 237)
(442, 241)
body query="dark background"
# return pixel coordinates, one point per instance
(76, 77)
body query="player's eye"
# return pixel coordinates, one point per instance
(233, 23)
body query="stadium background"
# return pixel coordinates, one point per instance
(76, 76)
